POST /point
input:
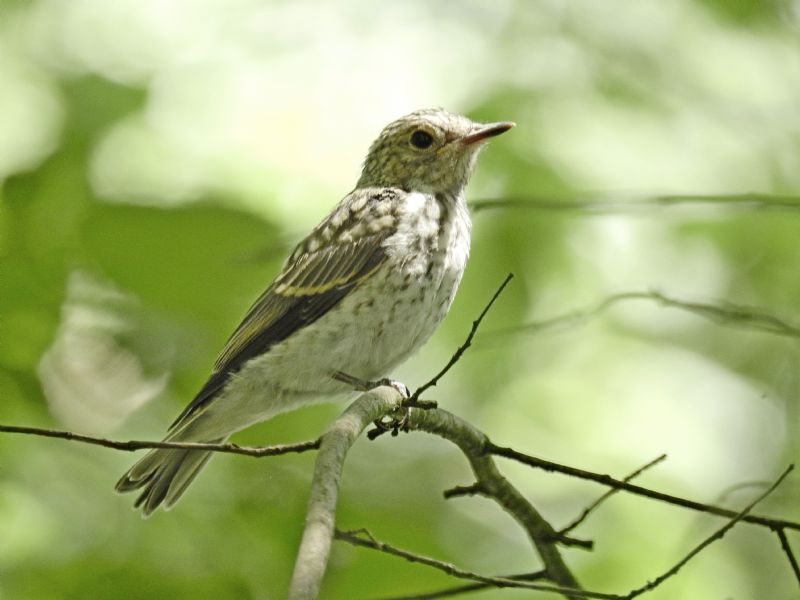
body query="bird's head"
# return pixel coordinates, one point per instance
(430, 151)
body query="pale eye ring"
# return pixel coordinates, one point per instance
(421, 139)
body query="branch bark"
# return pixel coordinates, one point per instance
(607, 480)
(474, 444)
(315, 546)
(134, 445)
(365, 539)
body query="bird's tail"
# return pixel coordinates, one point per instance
(164, 474)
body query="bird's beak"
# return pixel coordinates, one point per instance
(484, 132)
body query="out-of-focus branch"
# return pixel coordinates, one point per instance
(601, 206)
(607, 480)
(717, 535)
(473, 444)
(312, 557)
(133, 445)
(723, 313)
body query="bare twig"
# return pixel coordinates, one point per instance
(462, 490)
(363, 538)
(609, 481)
(478, 489)
(133, 445)
(724, 313)
(280, 449)
(728, 313)
(787, 550)
(473, 444)
(593, 506)
(312, 557)
(599, 206)
(463, 347)
(717, 535)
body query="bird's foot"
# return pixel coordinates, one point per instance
(397, 420)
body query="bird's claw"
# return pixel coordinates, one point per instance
(395, 422)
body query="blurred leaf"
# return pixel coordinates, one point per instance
(748, 12)
(189, 261)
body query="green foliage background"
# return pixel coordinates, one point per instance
(158, 159)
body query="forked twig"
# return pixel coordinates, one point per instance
(362, 537)
(547, 465)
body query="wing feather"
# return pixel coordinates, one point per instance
(311, 283)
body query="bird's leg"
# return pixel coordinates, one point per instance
(362, 385)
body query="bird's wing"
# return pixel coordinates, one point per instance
(311, 283)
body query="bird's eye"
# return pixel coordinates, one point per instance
(421, 139)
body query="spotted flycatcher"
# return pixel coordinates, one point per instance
(359, 295)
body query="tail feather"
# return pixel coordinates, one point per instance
(163, 475)
(192, 465)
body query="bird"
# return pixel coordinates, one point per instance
(359, 295)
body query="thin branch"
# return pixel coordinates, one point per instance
(593, 506)
(353, 537)
(787, 550)
(724, 313)
(463, 347)
(280, 449)
(492, 484)
(462, 490)
(478, 489)
(369, 541)
(133, 445)
(609, 481)
(717, 535)
(312, 556)
(465, 589)
(600, 206)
